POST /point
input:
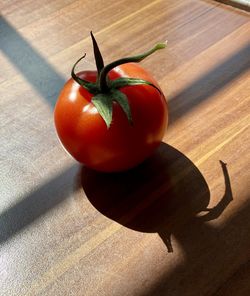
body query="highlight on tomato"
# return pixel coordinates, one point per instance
(113, 118)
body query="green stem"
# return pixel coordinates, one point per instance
(104, 72)
(90, 86)
(98, 56)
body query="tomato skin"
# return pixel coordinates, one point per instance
(85, 136)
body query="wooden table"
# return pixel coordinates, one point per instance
(176, 225)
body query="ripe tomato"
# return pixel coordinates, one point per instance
(121, 143)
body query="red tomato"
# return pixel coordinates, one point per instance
(85, 135)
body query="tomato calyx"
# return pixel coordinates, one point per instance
(104, 104)
(106, 91)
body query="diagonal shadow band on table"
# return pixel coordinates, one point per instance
(31, 64)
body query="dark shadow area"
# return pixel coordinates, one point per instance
(39, 73)
(37, 203)
(210, 83)
(216, 260)
(239, 281)
(162, 195)
(166, 195)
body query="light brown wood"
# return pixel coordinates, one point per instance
(176, 225)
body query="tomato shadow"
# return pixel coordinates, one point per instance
(161, 195)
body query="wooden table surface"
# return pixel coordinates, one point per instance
(179, 224)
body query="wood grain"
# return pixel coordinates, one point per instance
(176, 225)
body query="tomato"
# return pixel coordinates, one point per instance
(130, 136)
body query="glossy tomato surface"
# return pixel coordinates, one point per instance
(85, 136)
